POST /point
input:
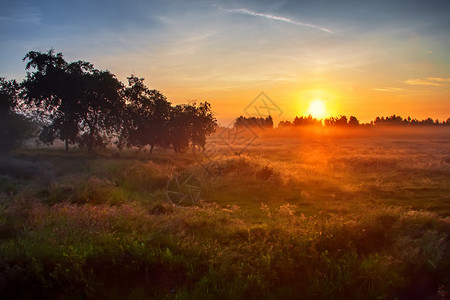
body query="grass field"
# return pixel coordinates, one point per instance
(320, 216)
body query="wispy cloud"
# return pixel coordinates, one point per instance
(244, 11)
(433, 81)
(439, 79)
(21, 14)
(389, 89)
(26, 18)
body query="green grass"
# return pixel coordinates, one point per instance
(287, 219)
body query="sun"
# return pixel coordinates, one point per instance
(317, 109)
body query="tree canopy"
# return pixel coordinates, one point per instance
(79, 104)
(82, 105)
(262, 123)
(145, 116)
(151, 120)
(14, 127)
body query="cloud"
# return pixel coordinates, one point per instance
(244, 11)
(19, 13)
(439, 79)
(22, 18)
(390, 89)
(433, 81)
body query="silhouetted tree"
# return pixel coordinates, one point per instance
(268, 122)
(309, 120)
(284, 124)
(179, 128)
(46, 90)
(395, 120)
(146, 116)
(190, 124)
(14, 127)
(353, 121)
(102, 106)
(427, 122)
(254, 122)
(8, 96)
(342, 121)
(336, 121)
(205, 123)
(79, 103)
(149, 119)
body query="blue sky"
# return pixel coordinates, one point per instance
(363, 58)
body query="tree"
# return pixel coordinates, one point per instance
(190, 124)
(146, 116)
(268, 122)
(14, 127)
(78, 103)
(254, 122)
(306, 121)
(284, 124)
(204, 123)
(341, 121)
(427, 122)
(8, 95)
(179, 128)
(46, 89)
(100, 108)
(336, 121)
(150, 119)
(8, 133)
(353, 121)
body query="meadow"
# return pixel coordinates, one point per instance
(316, 215)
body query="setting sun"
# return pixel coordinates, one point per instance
(317, 109)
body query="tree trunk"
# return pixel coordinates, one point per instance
(66, 144)
(90, 142)
(151, 148)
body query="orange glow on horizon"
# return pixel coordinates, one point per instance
(295, 98)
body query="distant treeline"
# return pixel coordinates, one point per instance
(253, 122)
(352, 121)
(341, 121)
(80, 105)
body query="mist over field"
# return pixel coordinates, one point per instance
(312, 216)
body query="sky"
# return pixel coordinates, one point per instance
(361, 58)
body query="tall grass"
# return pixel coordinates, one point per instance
(340, 223)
